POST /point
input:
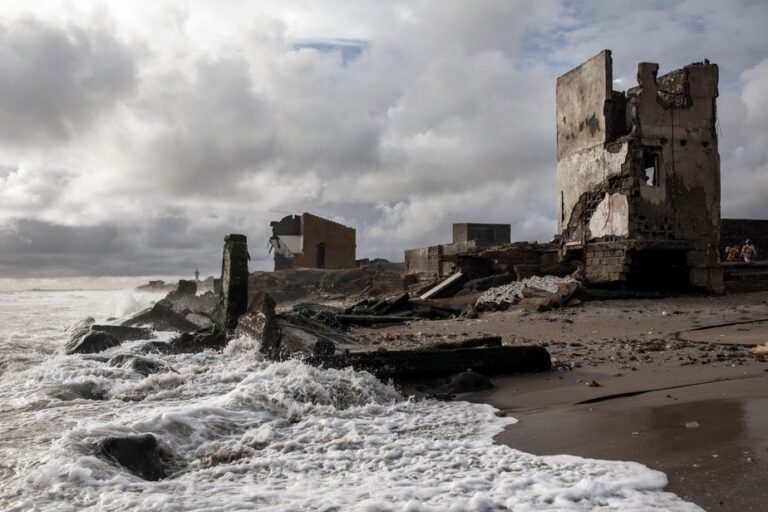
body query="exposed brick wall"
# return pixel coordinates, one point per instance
(339, 240)
(606, 262)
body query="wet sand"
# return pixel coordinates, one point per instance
(662, 388)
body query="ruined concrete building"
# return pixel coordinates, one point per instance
(309, 241)
(638, 175)
(432, 262)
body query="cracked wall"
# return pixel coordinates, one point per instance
(639, 170)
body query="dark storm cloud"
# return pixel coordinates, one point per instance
(54, 80)
(42, 249)
(173, 127)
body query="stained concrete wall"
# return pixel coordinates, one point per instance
(582, 94)
(669, 125)
(484, 235)
(417, 262)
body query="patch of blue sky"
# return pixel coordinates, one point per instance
(348, 50)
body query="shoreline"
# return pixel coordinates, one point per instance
(663, 388)
(709, 439)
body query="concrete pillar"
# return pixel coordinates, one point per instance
(233, 300)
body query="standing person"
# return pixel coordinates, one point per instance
(732, 252)
(748, 252)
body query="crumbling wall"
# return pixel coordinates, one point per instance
(417, 262)
(641, 168)
(674, 119)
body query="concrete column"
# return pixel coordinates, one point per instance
(233, 300)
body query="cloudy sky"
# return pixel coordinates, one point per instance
(134, 135)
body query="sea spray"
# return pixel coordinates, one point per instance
(248, 434)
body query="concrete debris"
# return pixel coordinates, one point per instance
(534, 292)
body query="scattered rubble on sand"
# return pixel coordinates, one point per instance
(314, 332)
(532, 293)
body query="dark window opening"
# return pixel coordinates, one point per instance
(651, 169)
(320, 257)
(658, 269)
(562, 208)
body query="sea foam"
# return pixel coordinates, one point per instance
(248, 434)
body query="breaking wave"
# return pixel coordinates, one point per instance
(242, 433)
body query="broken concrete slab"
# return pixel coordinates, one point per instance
(484, 341)
(405, 364)
(204, 339)
(162, 317)
(125, 333)
(91, 342)
(453, 281)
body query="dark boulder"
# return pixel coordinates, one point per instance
(138, 454)
(260, 323)
(125, 333)
(154, 347)
(80, 328)
(138, 364)
(205, 339)
(87, 390)
(162, 317)
(91, 342)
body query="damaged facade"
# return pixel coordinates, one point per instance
(309, 241)
(434, 262)
(638, 175)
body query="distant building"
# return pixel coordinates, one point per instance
(436, 261)
(309, 241)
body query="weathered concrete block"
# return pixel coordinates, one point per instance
(233, 300)
(440, 362)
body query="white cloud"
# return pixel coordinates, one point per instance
(154, 128)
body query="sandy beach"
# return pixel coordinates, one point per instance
(671, 383)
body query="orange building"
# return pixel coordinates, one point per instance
(309, 241)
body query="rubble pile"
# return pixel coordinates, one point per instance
(535, 293)
(303, 285)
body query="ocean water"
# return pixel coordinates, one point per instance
(253, 435)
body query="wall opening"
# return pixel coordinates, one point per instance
(320, 256)
(658, 269)
(651, 168)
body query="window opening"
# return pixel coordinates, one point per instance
(651, 169)
(320, 255)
